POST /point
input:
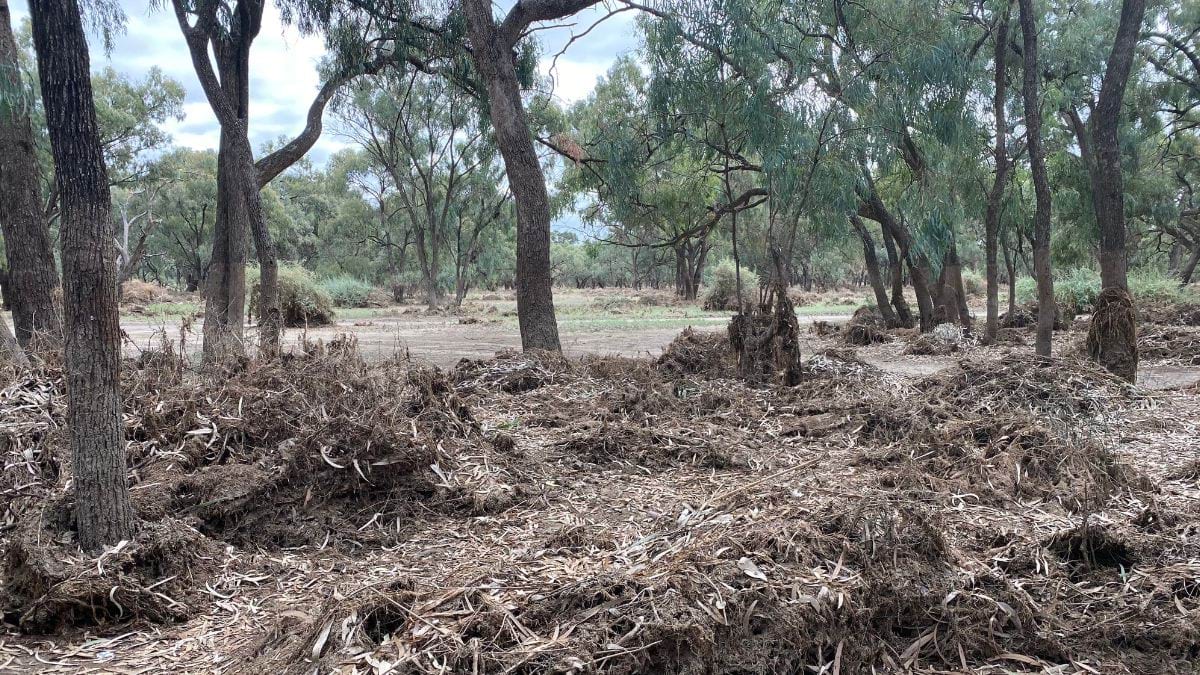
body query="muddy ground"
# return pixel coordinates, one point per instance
(345, 512)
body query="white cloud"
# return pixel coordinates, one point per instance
(283, 69)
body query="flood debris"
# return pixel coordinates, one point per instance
(531, 514)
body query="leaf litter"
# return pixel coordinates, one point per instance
(531, 514)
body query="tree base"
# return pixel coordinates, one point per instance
(1112, 335)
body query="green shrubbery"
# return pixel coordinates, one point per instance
(1076, 289)
(973, 283)
(347, 291)
(302, 301)
(722, 288)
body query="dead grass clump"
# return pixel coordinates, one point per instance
(509, 371)
(866, 327)
(49, 586)
(138, 294)
(930, 344)
(31, 436)
(1018, 457)
(699, 353)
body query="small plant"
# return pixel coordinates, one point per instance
(347, 291)
(722, 291)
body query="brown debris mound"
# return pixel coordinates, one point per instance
(1170, 343)
(510, 371)
(866, 327)
(1112, 335)
(696, 352)
(979, 520)
(1165, 312)
(1025, 316)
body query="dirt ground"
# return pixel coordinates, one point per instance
(639, 511)
(444, 340)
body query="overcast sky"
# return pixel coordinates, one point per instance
(283, 68)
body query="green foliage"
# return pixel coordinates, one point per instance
(1077, 288)
(973, 282)
(301, 299)
(722, 288)
(347, 291)
(1151, 284)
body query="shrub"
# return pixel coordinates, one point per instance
(1150, 285)
(347, 291)
(302, 301)
(722, 291)
(973, 283)
(1076, 290)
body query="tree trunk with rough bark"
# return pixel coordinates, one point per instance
(225, 283)
(1116, 326)
(493, 57)
(32, 278)
(1041, 184)
(995, 198)
(956, 306)
(103, 514)
(896, 271)
(1108, 198)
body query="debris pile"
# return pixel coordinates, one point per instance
(617, 515)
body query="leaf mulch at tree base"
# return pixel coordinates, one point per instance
(992, 518)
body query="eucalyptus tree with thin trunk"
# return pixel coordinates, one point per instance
(1041, 183)
(1108, 197)
(31, 270)
(103, 514)
(228, 29)
(995, 198)
(492, 48)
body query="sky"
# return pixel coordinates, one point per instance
(284, 75)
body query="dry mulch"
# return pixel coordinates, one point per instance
(619, 515)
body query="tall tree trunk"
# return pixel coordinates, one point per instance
(1010, 267)
(1189, 268)
(896, 272)
(32, 279)
(228, 96)
(103, 514)
(1041, 184)
(1108, 197)
(871, 261)
(995, 198)
(874, 208)
(956, 307)
(493, 59)
(1112, 336)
